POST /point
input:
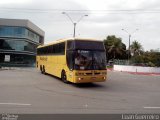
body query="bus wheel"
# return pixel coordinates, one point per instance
(37, 64)
(44, 70)
(41, 69)
(64, 77)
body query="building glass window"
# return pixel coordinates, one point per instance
(17, 45)
(32, 36)
(19, 32)
(12, 31)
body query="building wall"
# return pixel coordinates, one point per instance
(18, 43)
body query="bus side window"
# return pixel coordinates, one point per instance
(62, 48)
(56, 49)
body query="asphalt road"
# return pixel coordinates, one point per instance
(28, 91)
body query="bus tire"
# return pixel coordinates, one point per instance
(44, 72)
(64, 77)
(37, 64)
(41, 69)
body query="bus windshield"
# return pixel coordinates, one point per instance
(88, 60)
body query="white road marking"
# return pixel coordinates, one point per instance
(22, 104)
(152, 107)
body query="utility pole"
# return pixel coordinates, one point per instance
(74, 23)
(129, 48)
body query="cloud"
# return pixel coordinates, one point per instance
(3, 2)
(100, 22)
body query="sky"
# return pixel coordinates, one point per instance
(140, 18)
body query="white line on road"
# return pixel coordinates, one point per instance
(22, 104)
(152, 107)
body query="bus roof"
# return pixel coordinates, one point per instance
(67, 39)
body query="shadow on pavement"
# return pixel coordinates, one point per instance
(88, 85)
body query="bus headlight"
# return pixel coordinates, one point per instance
(80, 79)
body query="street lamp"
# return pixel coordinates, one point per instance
(129, 41)
(74, 23)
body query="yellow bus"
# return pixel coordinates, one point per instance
(73, 60)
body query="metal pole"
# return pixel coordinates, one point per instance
(129, 50)
(74, 23)
(74, 31)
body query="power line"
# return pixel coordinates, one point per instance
(109, 11)
(153, 10)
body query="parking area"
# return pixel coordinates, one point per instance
(26, 90)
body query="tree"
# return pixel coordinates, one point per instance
(136, 48)
(149, 58)
(115, 49)
(152, 57)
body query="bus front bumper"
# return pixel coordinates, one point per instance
(89, 79)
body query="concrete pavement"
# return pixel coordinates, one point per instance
(28, 91)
